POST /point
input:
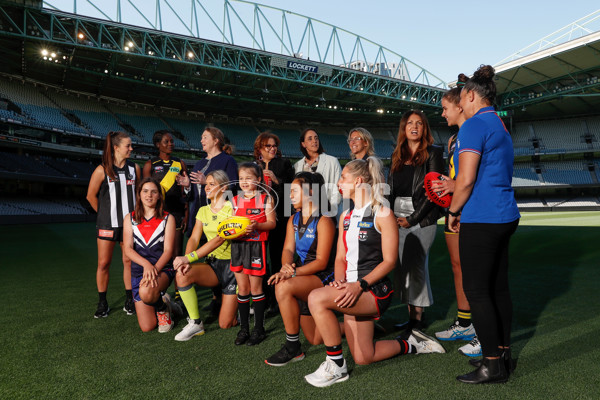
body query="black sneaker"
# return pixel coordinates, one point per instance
(284, 356)
(129, 307)
(242, 337)
(102, 310)
(257, 336)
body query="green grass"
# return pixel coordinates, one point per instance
(52, 348)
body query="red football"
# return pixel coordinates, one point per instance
(443, 201)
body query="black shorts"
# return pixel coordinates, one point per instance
(382, 291)
(224, 274)
(249, 258)
(110, 234)
(325, 277)
(446, 228)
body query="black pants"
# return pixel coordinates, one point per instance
(484, 262)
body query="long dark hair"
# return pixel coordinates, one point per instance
(138, 214)
(310, 179)
(320, 150)
(402, 153)
(113, 139)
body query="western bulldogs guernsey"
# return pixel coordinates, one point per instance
(254, 209)
(148, 240)
(116, 197)
(362, 241)
(165, 172)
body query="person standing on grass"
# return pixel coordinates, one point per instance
(248, 253)
(310, 236)
(214, 271)
(148, 240)
(367, 251)
(111, 193)
(462, 328)
(485, 212)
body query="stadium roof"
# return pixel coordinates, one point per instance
(556, 76)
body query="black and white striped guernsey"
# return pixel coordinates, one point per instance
(362, 240)
(116, 197)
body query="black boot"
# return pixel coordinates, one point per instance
(490, 371)
(509, 363)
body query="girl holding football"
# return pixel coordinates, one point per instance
(248, 253)
(214, 271)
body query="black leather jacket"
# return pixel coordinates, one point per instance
(426, 213)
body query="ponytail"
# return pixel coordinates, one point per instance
(371, 172)
(113, 139)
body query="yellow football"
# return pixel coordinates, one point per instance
(233, 227)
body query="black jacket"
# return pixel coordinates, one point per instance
(283, 170)
(426, 213)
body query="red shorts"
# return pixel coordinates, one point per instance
(249, 258)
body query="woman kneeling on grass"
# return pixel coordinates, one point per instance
(310, 235)
(362, 263)
(148, 240)
(215, 270)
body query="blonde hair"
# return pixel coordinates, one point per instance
(371, 172)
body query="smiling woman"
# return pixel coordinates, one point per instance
(361, 144)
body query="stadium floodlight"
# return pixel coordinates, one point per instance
(130, 44)
(53, 55)
(81, 36)
(44, 52)
(190, 55)
(126, 48)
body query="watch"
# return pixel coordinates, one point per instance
(364, 285)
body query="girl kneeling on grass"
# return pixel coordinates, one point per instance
(148, 240)
(310, 235)
(361, 290)
(215, 270)
(248, 253)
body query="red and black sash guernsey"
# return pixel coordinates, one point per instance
(362, 241)
(116, 197)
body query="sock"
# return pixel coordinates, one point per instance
(405, 347)
(128, 294)
(464, 318)
(292, 341)
(190, 301)
(102, 297)
(335, 353)
(177, 294)
(260, 305)
(244, 309)
(160, 305)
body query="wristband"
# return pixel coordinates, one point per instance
(364, 285)
(454, 214)
(192, 257)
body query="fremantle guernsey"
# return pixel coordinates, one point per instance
(116, 197)
(253, 208)
(362, 241)
(165, 172)
(148, 240)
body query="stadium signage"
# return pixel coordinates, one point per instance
(303, 67)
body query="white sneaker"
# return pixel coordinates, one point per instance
(165, 321)
(327, 374)
(471, 349)
(424, 343)
(190, 330)
(457, 332)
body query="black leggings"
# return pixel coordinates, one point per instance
(484, 262)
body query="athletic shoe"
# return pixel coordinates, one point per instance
(285, 356)
(457, 332)
(129, 307)
(242, 337)
(102, 310)
(176, 311)
(327, 374)
(190, 330)
(165, 321)
(257, 336)
(424, 343)
(471, 349)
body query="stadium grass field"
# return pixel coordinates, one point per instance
(52, 348)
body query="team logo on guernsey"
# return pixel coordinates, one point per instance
(253, 211)
(362, 236)
(174, 169)
(365, 224)
(130, 182)
(295, 228)
(158, 168)
(346, 224)
(214, 217)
